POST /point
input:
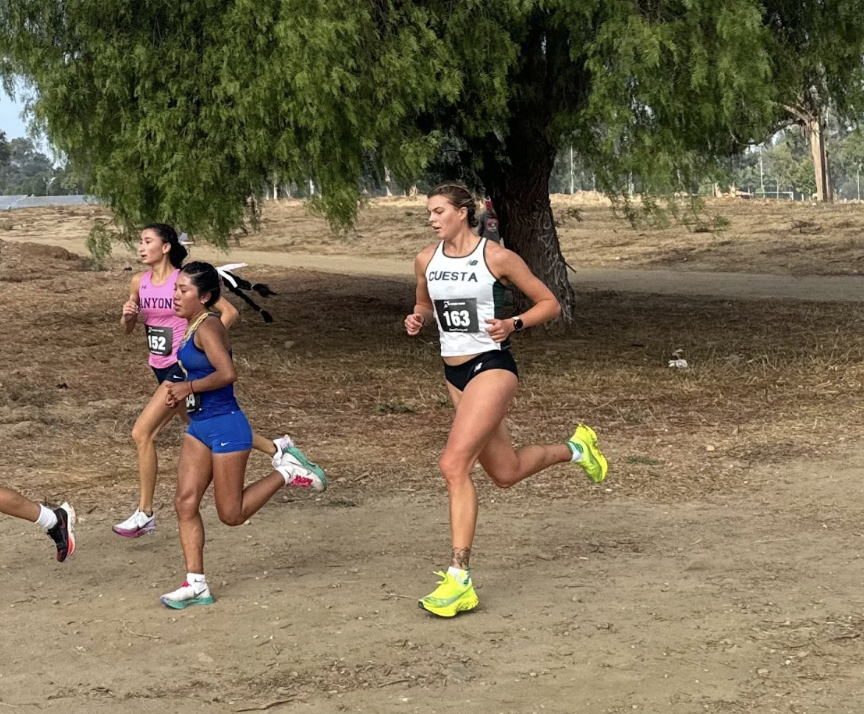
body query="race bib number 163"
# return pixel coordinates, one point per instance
(457, 315)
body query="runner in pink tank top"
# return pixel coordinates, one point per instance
(156, 309)
(151, 299)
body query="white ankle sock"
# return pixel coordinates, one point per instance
(461, 575)
(47, 518)
(196, 579)
(577, 452)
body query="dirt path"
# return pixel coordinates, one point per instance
(740, 286)
(596, 600)
(731, 605)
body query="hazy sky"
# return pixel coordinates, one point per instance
(10, 117)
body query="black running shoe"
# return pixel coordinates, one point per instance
(62, 534)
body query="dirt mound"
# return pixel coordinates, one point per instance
(22, 262)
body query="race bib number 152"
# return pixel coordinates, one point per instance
(160, 340)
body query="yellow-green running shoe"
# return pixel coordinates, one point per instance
(592, 460)
(450, 597)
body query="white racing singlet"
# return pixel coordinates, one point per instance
(465, 294)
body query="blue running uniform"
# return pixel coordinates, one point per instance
(216, 419)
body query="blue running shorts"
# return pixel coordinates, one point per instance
(223, 434)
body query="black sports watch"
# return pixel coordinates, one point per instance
(517, 324)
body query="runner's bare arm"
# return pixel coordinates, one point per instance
(130, 308)
(506, 265)
(227, 312)
(212, 338)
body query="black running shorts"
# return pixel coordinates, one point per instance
(460, 375)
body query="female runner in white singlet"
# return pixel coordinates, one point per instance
(460, 283)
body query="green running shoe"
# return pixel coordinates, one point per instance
(188, 594)
(450, 597)
(300, 470)
(592, 460)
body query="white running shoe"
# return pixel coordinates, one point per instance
(299, 471)
(188, 594)
(283, 443)
(138, 524)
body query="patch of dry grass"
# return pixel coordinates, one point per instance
(751, 236)
(735, 235)
(769, 382)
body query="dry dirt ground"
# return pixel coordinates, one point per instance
(729, 235)
(718, 569)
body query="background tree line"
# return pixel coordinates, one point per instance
(26, 171)
(182, 111)
(781, 167)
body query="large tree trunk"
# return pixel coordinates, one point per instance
(526, 223)
(519, 184)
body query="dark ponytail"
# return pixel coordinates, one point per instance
(168, 234)
(241, 286)
(205, 278)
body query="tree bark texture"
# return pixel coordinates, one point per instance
(526, 223)
(824, 192)
(813, 122)
(519, 183)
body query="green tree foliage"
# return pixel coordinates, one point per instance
(787, 163)
(69, 180)
(27, 171)
(848, 163)
(5, 151)
(181, 110)
(792, 167)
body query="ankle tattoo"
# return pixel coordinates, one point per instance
(461, 556)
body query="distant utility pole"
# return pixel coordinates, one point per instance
(761, 173)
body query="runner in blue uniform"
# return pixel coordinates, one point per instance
(461, 282)
(151, 303)
(218, 441)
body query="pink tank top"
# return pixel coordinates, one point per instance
(164, 328)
